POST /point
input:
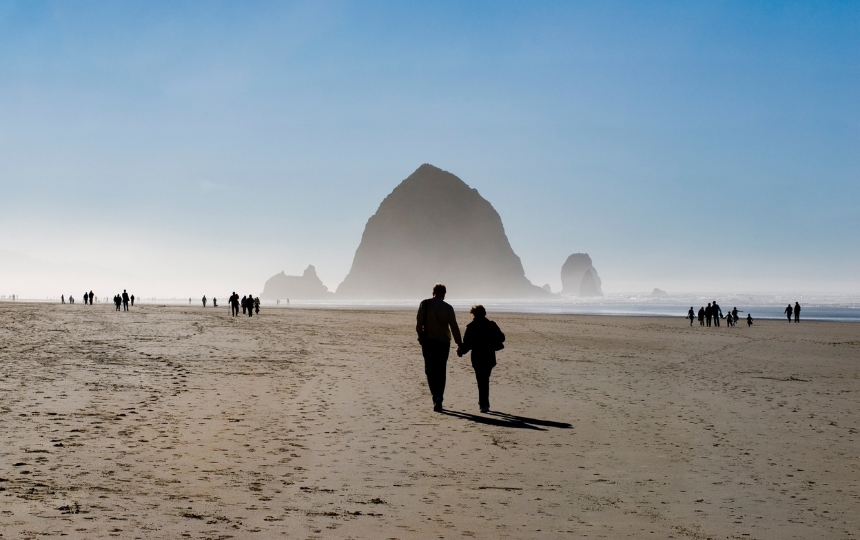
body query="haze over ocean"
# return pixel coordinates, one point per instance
(187, 149)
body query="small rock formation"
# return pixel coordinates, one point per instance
(547, 288)
(579, 277)
(308, 286)
(659, 292)
(433, 228)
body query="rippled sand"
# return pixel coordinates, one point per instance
(170, 422)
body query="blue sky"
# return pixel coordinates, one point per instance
(710, 146)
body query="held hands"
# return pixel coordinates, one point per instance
(460, 351)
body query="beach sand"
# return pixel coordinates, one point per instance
(170, 422)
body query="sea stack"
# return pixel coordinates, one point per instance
(433, 228)
(308, 286)
(579, 277)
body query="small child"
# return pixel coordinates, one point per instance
(749, 321)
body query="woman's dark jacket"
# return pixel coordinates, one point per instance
(482, 338)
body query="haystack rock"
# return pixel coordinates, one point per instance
(433, 228)
(579, 277)
(308, 286)
(659, 292)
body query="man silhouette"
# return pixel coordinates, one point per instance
(91, 297)
(204, 300)
(86, 297)
(788, 311)
(717, 313)
(250, 302)
(435, 318)
(234, 304)
(796, 312)
(701, 316)
(132, 300)
(691, 315)
(124, 300)
(708, 313)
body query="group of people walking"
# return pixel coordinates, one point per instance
(88, 298)
(123, 300)
(714, 312)
(436, 325)
(796, 311)
(249, 304)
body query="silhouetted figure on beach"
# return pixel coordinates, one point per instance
(788, 311)
(234, 304)
(117, 300)
(250, 302)
(214, 302)
(735, 315)
(729, 320)
(701, 316)
(436, 325)
(708, 312)
(86, 297)
(91, 297)
(749, 320)
(796, 312)
(691, 315)
(72, 300)
(124, 300)
(62, 299)
(257, 304)
(204, 300)
(483, 337)
(244, 304)
(717, 313)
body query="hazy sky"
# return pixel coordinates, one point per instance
(709, 146)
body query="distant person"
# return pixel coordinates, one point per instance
(735, 315)
(250, 304)
(189, 300)
(701, 316)
(62, 299)
(797, 312)
(749, 320)
(690, 315)
(729, 320)
(124, 300)
(204, 300)
(244, 304)
(91, 297)
(483, 337)
(708, 312)
(132, 300)
(71, 299)
(214, 302)
(277, 302)
(288, 301)
(436, 323)
(717, 313)
(86, 297)
(234, 304)
(788, 311)
(257, 304)
(117, 300)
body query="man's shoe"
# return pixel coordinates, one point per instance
(437, 406)
(485, 409)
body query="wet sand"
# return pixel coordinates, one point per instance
(170, 422)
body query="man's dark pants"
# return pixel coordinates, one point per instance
(125, 305)
(435, 366)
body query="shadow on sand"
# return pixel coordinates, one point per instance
(508, 420)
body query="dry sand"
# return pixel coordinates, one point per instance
(170, 422)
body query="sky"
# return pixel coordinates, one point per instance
(199, 147)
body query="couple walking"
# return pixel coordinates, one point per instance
(436, 325)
